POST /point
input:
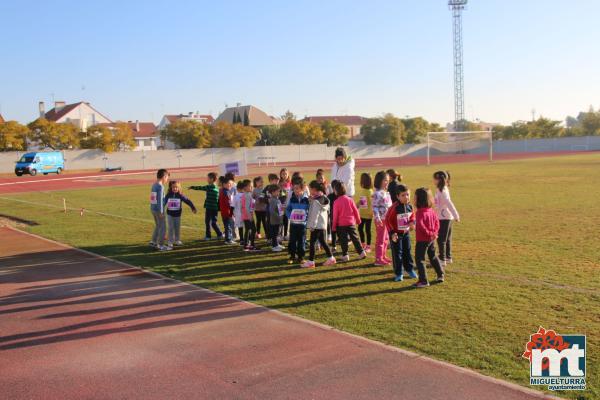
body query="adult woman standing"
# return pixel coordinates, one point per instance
(343, 170)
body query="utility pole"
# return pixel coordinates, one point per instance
(457, 6)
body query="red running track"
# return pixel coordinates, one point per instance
(76, 326)
(107, 179)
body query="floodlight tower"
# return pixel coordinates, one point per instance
(457, 6)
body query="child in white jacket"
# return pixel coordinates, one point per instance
(316, 222)
(446, 213)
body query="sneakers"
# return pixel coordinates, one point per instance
(207, 238)
(362, 255)
(179, 243)
(164, 248)
(291, 260)
(308, 264)
(367, 248)
(448, 261)
(258, 236)
(330, 261)
(230, 242)
(345, 258)
(381, 264)
(152, 244)
(329, 238)
(420, 285)
(277, 248)
(251, 248)
(412, 274)
(334, 249)
(440, 279)
(398, 278)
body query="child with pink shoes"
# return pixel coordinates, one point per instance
(382, 201)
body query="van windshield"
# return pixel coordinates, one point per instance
(26, 159)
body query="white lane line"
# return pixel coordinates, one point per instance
(87, 210)
(97, 176)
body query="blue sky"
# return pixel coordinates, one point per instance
(142, 59)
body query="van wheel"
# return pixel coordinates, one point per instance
(19, 173)
(32, 172)
(58, 171)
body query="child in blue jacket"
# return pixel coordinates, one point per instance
(297, 213)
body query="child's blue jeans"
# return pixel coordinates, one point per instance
(401, 257)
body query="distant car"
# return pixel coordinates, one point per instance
(43, 162)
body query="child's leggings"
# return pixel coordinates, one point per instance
(261, 219)
(348, 233)
(249, 232)
(365, 225)
(174, 225)
(428, 248)
(381, 243)
(318, 235)
(444, 240)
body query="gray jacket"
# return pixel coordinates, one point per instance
(318, 213)
(275, 208)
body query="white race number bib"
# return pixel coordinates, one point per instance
(174, 204)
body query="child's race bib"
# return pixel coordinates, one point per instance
(174, 204)
(363, 202)
(252, 206)
(153, 198)
(298, 216)
(403, 221)
(281, 209)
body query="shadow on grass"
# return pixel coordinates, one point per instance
(107, 298)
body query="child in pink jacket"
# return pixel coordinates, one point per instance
(345, 220)
(426, 227)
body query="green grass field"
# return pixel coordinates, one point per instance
(526, 255)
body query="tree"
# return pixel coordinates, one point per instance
(586, 124)
(224, 134)
(417, 128)
(13, 136)
(56, 136)
(270, 135)
(540, 128)
(288, 116)
(387, 130)
(188, 134)
(98, 137)
(300, 132)
(123, 136)
(334, 134)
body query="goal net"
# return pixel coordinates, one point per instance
(477, 144)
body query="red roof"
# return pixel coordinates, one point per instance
(340, 119)
(53, 115)
(173, 118)
(147, 129)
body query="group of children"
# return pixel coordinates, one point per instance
(287, 209)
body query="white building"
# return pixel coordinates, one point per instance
(81, 114)
(170, 118)
(145, 134)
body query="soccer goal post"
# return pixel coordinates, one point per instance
(459, 143)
